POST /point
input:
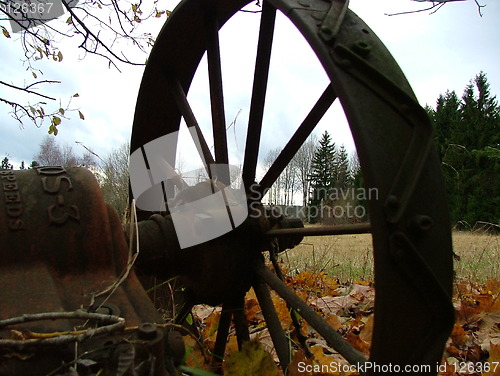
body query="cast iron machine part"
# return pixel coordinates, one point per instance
(409, 222)
(68, 298)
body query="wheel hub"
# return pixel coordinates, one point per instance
(218, 270)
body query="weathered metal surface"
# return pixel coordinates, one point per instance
(409, 220)
(216, 271)
(62, 250)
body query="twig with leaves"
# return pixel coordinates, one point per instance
(107, 30)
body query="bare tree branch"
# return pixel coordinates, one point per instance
(89, 34)
(99, 28)
(26, 88)
(435, 5)
(16, 108)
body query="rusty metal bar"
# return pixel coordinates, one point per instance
(261, 75)
(333, 20)
(298, 138)
(186, 111)
(241, 323)
(273, 323)
(217, 96)
(293, 313)
(333, 339)
(361, 228)
(222, 333)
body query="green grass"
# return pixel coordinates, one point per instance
(479, 256)
(350, 257)
(346, 258)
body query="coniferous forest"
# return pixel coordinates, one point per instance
(467, 132)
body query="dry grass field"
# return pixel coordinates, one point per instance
(350, 257)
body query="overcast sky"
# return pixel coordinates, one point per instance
(436, 52)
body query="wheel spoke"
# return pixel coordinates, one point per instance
(299, 137)
(258, 93)
(241, 323)
(277, 333)
(334, 339)
(217, 97)
(222, 333)
(193, 126)
(359, 228)
(184, 312)
(293, 313)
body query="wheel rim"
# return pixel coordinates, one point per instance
(409, 222)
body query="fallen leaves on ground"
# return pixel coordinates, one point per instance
(472, 349)
(253, 359)
(474, 344)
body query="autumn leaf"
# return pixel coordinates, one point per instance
(495, 306)
(60, 56)
(211, 326)
(5, 32)
(282, 311)
(358, 343)
(194, 356)
(53, 130)
(81, 115)
(339, 305)
(320, 358)
(458, 335)
(334, 321)
(76, 95)
(299, 357)
(252, 360)
(61, 111)
(494, 360)
(252, 308)
(367, 330)
(56, 120)
(493, 287)
(69, 21)
(447, 368)
(232, 345)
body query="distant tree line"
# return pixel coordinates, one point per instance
(111, 171)
(294, 180)
(467, 135)
(467, 131)
(324, 177)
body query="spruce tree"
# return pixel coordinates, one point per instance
(343, 178)
(468, 138)
(322, 175)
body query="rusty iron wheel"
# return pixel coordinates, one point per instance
(409, 222)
